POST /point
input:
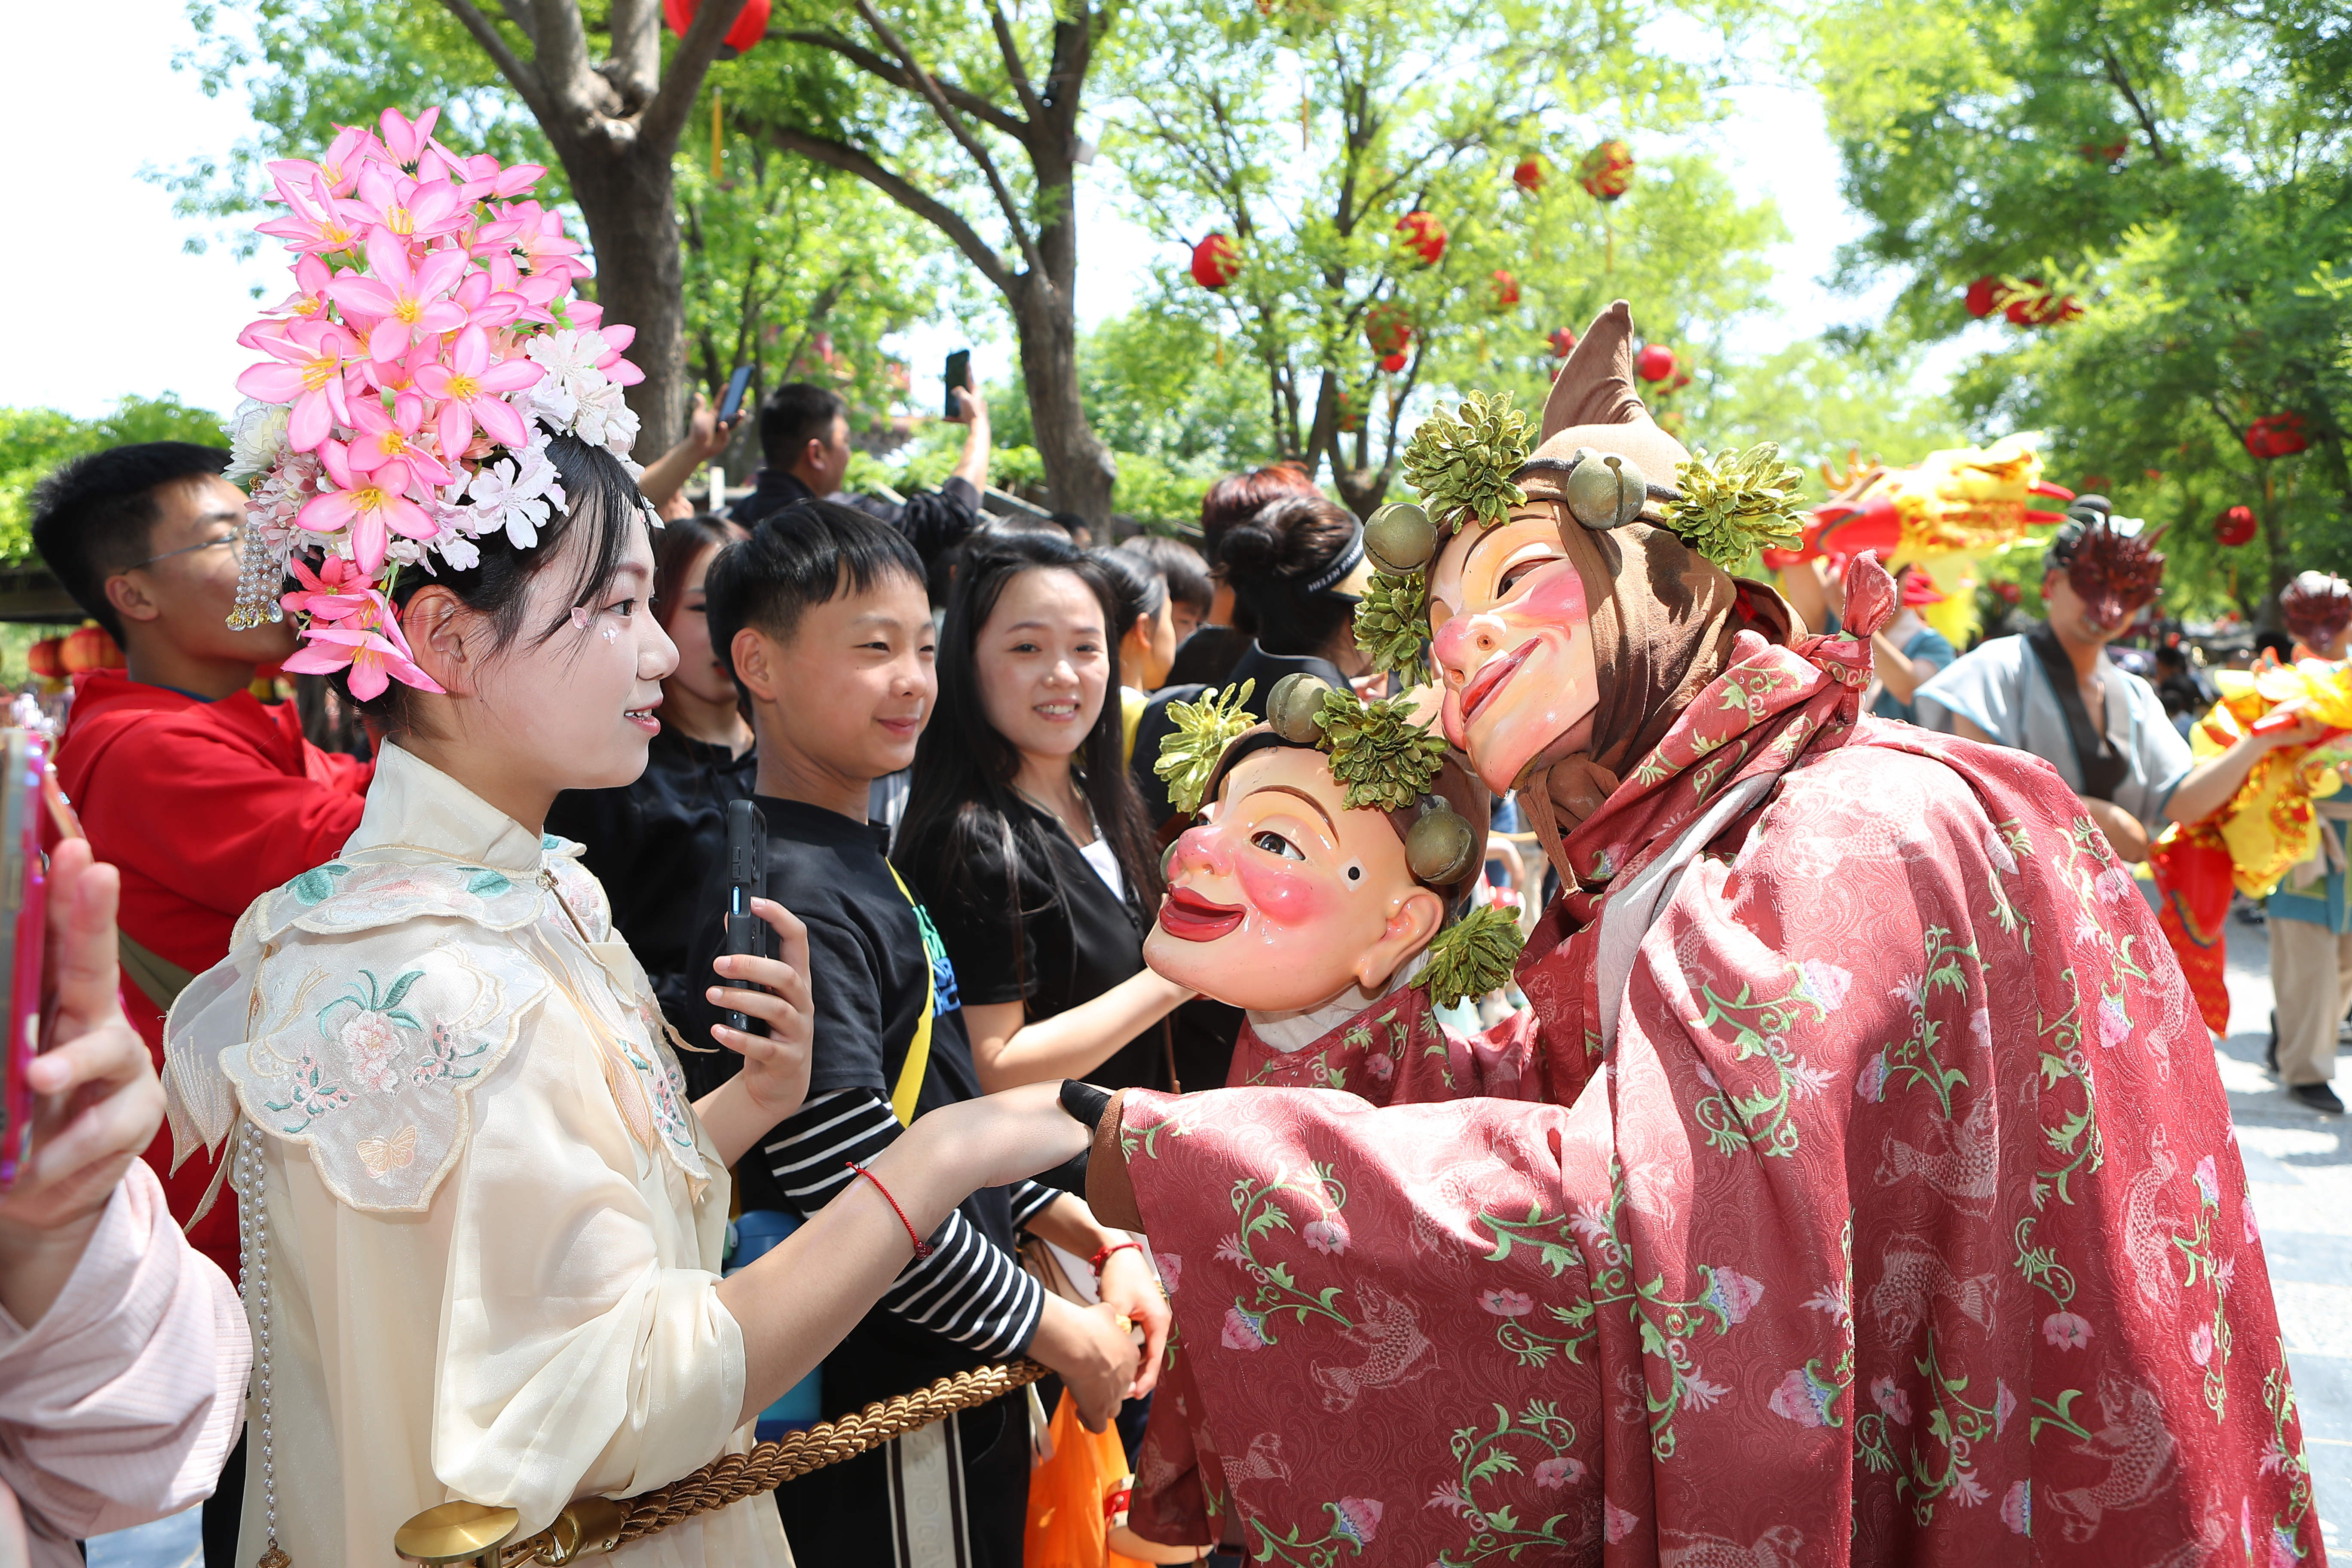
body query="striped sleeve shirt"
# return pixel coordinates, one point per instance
(969, 1289)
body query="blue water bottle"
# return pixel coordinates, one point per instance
(749, 1237)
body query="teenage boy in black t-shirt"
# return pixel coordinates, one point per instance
(823, 617)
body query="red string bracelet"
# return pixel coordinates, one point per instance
(922, 1248)
(1102, 1257)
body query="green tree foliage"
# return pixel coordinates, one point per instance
(1307, 133)
(2183, 172)
(34, 441)
(1826, 403)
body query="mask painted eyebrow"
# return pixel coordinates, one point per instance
(1313, 805)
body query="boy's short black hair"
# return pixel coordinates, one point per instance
(93, 516)
(810, 553)
(795, 413)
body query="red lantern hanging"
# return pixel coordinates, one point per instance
(1983, 297)
(751, 23)
(1607, 172)
(2038, 307)
(1388, 328)
(1349, 419)
(2236, 526)
(1563, 341)
(1506, 289)
(1424, 235)
(47, 659)
(1530, 175)
(90, 648)
(1392, 363)
(2275, 435)
(1655, 363)
(1216, 261)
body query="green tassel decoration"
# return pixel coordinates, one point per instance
(1392, 625)
(1382, 757)
(1733, 504)
(1203, 730)
(1461, 463)
(1472, 956)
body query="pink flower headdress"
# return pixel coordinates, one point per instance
(429, 349)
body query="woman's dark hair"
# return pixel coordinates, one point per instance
(1186, 573)
(961, 807)
(675, 548)
(1237, 497)
(1270, 557)
(1137, 587)
(599, 496)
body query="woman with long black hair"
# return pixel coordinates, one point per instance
(1023, 836)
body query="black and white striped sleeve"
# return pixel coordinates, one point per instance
(1028, 1200)
(969, 1289)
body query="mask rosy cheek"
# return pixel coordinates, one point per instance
(1556, 598)
(1286, 898)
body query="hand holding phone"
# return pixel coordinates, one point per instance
(732, 403)
(958, 374)
(747, 852)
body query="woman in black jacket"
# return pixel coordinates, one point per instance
(1023, 836)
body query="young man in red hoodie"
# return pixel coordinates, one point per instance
(204, 797)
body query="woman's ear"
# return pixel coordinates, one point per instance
(1412, 926)
(437, 625)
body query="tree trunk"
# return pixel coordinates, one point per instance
(1079, 469)
(626, 194)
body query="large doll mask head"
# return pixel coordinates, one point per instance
(1286, 898)
(1514, 645)
(1288, 895)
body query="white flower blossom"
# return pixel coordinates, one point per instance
(256, 436)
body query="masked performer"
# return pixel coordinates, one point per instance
(1879, 1203)
(481, 1226)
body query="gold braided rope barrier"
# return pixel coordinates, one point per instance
(463, 1532)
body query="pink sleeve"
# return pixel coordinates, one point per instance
(120, 1405)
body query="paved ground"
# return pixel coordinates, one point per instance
(2301, 1166)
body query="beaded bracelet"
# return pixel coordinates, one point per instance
(922, 1248)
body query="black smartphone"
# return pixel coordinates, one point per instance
(732, 403)
(958, 374)
(747, 845)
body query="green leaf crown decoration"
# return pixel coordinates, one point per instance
(1461, 463)
(1392, 625)
(1473, 956)
(1379, 755)
(1203, 730)
(1733, 503)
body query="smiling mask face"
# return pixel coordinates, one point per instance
(1514, 644)
(1286, 898)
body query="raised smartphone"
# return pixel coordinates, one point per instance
(747, 847)
(732, 403)
(23, 927)
(958, 373)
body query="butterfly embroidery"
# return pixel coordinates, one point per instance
(381, 1156)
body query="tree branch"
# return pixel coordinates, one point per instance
(561, 56)
(522, 77)
(1011, 49)
(664, 117)
(636, 59)
(1014, 217)
(874, 65)
(2122, 80)
(940, 216)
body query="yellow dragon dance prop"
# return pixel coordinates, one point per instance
(2264, 829)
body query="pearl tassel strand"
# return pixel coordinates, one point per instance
(250, 1178)
(259, 572)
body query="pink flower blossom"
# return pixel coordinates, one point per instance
(1803, 1398)
(341, 167)
(374, 1046)
(1894, 1402)
(1508, 1303)
(2252, 1226)
(405, 140)
(1732, 1293)
(1244, 1331)
(2067, 1331)
(380, 438)
(404, 301)
(1616, 1523)
(2208, 1178)
(1449, 1495)
(2114, 1023)
(1827, 982)
(473, 390)
(1356, 1518)
(375, 654)
(1558, 1471)
(374, 507)
(1871, 1082)
(317, 222)
(1327, 1237)
(309, 374)
(336, 591)
(1380, 1067)
(1967, 1490)
(2017, 1508)
(412, 209)
(1170, 1267)
(2004, 1405)
(2200, 1344)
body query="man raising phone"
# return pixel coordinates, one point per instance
(804, 441)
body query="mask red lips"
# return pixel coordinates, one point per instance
(1490, 677)
(1188, 917)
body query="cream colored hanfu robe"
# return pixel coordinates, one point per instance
(494, 1226)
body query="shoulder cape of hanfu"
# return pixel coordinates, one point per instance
(361, 1002)
(1397, 1051)
(1894, 1214)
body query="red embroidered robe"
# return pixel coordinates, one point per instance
(1900, 1222)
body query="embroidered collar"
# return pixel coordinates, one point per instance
(415, 806)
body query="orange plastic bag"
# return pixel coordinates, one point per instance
(1067, 1493)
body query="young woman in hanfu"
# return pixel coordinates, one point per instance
(482, 1226)
(1879, 1201)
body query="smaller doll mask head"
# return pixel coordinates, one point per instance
(1514, 646)
(1286, 898)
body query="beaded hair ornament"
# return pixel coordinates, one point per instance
(429, 349)
(1383, 762)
